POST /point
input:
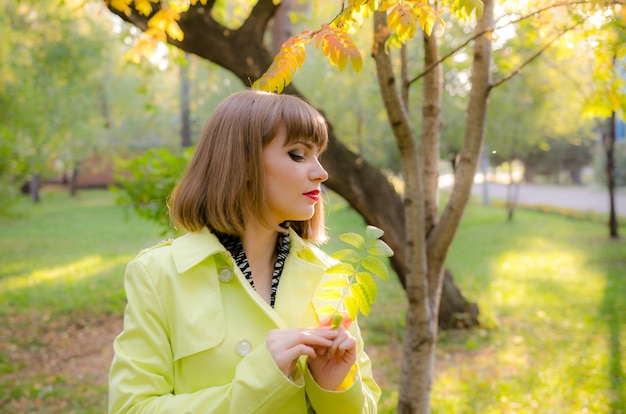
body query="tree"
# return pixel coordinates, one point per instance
(418, 236)
(46, 116)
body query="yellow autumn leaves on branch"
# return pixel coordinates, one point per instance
(161, 25)
(333, 39)
(336, 45)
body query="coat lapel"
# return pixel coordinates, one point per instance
(302, 274)
(303, 271)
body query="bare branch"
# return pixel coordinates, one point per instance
(497, 27)
(534, 56)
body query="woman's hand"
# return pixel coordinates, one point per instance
(287, 345)
(331, 364)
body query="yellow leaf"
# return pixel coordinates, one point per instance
(353, 239)
(386, 5)
(347, 255)
(351, 307)
(174, 31)
(330, 295)
(335, 283)
(285, 64)
(143, 6)
(373, 232)
(368, 285)
(342, 62)
(376, 266)
(360, 298)
(157, 34)
(326, 310)
(380, 248)
(357, 62)
(121, 5)
(341, 269)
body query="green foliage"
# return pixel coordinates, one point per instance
(355, 289)
(147, 181)
(52, 58)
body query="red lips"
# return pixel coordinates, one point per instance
(313, 195)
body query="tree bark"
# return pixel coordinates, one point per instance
(281, 26)
(185, 126)
(74, 179)
(608, 139)
(455, 313)
(419, 334)
(33, 187)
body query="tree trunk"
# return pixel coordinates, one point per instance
(609, 148)
(185, 128)
(33, 187)
(420, 329)
(455, 312)
(512, 191)
(74, 179)
(281, 26)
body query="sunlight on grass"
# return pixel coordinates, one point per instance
(545, 346)
(543, 274)
(77, 270)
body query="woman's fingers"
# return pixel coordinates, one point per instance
(287, 345)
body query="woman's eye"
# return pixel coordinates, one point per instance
(296, 157)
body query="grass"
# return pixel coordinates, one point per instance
(60, 270)
(551, 289)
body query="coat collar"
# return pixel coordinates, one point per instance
(302, 274)
(192, 248)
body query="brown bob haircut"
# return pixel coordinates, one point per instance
(223, 185)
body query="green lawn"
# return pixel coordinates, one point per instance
(551, 289)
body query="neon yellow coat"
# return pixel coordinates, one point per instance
(195, 330)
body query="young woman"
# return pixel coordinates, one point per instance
(223, 319)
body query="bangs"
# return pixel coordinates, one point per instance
(303, 122)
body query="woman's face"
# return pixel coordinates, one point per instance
(293, 179)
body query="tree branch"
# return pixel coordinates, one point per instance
(496, 27)
(534, 56)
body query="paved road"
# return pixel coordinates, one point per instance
(574, 197)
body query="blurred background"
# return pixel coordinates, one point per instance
(92, 140)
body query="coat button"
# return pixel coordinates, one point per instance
(225, 274)
(244, 347)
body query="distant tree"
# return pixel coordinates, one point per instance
(50, 90)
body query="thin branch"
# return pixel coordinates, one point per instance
(534, 56)
(490, 30)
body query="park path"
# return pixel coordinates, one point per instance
(583, 198)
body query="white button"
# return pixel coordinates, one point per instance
(243, 347)
(225, 274)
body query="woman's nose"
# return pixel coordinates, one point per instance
(319, 173)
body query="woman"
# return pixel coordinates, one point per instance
(223, 319)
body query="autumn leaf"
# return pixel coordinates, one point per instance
(144, 7)
(338, 47)
(286, 63)
(121, 5)
(165, 21)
